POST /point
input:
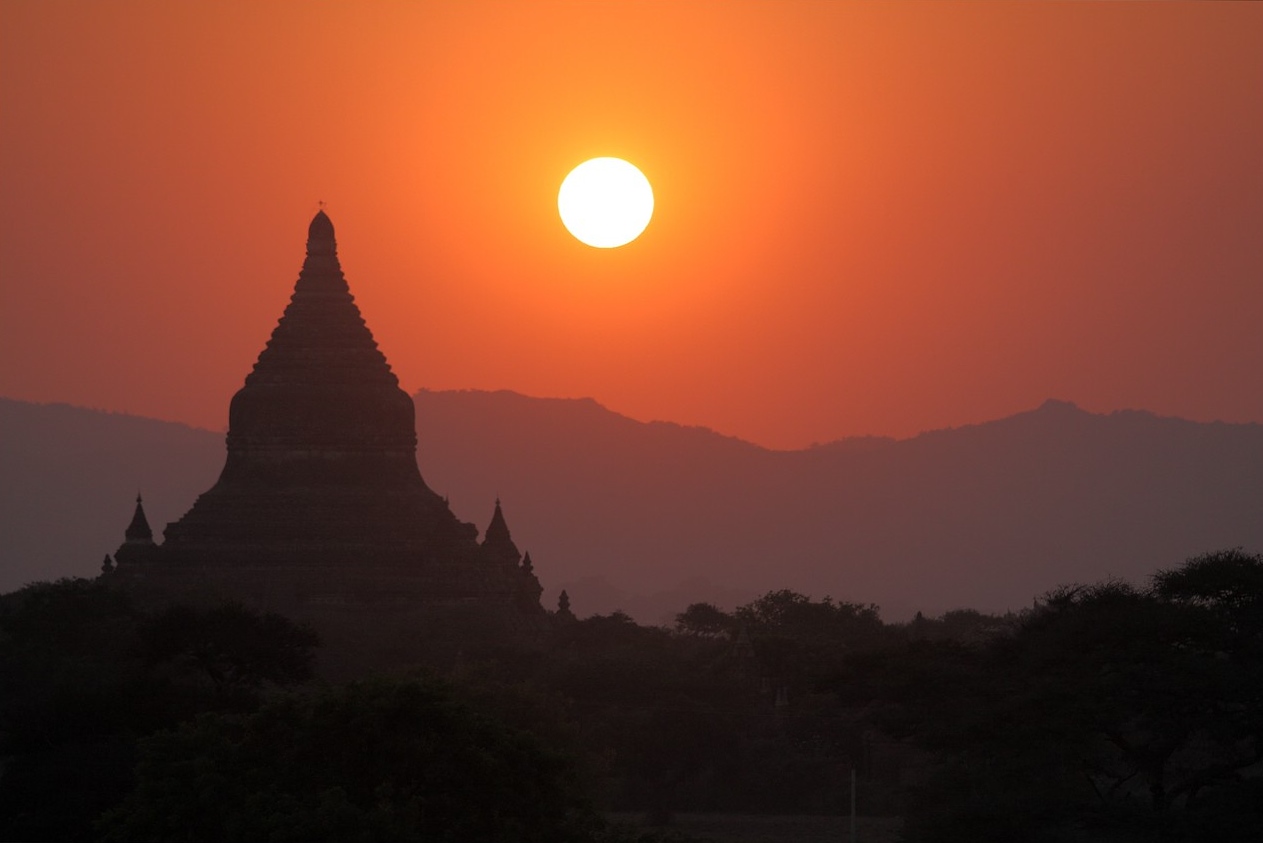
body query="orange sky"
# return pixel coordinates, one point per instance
(871, 218)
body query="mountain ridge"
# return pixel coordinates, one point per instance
(828, 519)
(648, 516)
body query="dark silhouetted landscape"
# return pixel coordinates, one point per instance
(760, 422)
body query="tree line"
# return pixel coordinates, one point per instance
(1106, 712)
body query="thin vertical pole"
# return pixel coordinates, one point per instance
(852, 805)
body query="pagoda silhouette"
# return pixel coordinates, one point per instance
(320, 511)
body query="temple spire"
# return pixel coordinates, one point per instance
(320, 390)
(320, 502)
(138, 531)
(498, 529)
(497, 543)
(138, 546)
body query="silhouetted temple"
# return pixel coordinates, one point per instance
(320, 510)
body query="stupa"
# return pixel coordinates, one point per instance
(321, 511)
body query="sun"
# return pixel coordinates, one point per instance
(605, 202)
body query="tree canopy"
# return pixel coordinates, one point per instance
(381, 760)
(85, 672)
(1109, 711)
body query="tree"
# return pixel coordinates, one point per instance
(85, 672)
(789, 612)
(1228, 583)
(382, 760)
(705, 619)
(799, 641)
(1107, 712)
(72, 698)
(229, 648)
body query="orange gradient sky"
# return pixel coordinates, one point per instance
(871, 218)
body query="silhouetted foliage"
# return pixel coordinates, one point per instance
(85, 673)
(966, 626)
(398, 760)
(800, 641)
(230, 647)
(705, 619)
(791, 612)
(655, 704)
(1228, 583)
(1109, 712)
(73, 696)
(698, 719)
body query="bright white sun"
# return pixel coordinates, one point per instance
(605, 202)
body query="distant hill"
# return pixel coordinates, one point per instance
(648, 517)
(69, 478)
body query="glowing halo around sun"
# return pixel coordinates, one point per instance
(605, 202)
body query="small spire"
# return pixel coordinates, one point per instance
(527, 565)
(563, 606)
(498, 530)
(108, 565)
(497, 544)
(138, 530)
